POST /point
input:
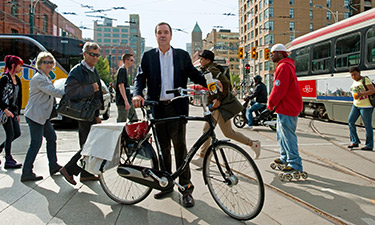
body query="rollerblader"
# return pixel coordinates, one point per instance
(286, 100)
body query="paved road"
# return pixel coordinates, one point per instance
(341, 185)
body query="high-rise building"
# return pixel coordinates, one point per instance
(224, 44)
(264, 23)
(196, 40)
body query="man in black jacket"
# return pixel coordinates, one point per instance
(260, 94)
(83, 81)
(166, 68)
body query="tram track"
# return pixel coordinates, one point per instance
(322, 162)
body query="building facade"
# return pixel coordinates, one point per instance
(22, 17)
(224, 44)
(118, 40)
(264, 23)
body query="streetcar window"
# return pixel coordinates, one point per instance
(348, 51)
(19, 47)
(370, 46)
(321, 57)
(302, 60)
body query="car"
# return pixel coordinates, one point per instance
(105, 113)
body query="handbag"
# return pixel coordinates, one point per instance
(230, 106)
(3, 117)
(83, 109)
(370, 97)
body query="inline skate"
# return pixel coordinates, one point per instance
(289, 173)
(277, 164)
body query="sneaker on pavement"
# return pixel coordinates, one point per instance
(256, 148)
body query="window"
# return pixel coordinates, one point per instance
(329, 15)
(107, 35)
(311, 27)
(321, 57)
(268, 13)
(107, 50)
(269, 25)
(346, 4)
(116, 41)
(291, 13)
(329, 3)
(115, 35)
(260, 17)
(14, 8)
(99, 29)
(268, 39)
(99, 40)
(291, 2)
(260, 66)
(291, 26)
(123, 30)
(45, 23)
(124, 35)
(347, 50)
(291, 37)
(370, 46)
(99, 34)
(302, 60)
(311, 14)
(260, 41)
(107, 29)
(260, 6)
(311, 3)
(107, 40)
(116, 30)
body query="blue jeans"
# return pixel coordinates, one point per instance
(287, 140)
(366, 115)
(37, 131)
(255, 106)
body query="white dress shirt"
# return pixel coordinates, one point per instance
(167, 78)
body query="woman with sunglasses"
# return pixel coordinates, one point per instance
(38, 112)
(10, 103)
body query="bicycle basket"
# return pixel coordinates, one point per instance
(137, 130)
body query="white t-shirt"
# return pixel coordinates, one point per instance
(357, 86)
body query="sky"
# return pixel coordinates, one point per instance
(180, 14)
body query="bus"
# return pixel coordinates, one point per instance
(323, 59)
(67, 52)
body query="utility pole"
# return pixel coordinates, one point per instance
(32, 14)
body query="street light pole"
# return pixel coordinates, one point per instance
(32, 13)
(335, 15)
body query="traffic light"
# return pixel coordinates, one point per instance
(247, 68)
(240, 52)
(267, 54)
(254, 52)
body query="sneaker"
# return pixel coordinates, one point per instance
(198, 162)
(256, 148)
(10, 163)
(250, 127)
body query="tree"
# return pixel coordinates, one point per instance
(102, 66)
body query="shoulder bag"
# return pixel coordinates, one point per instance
(370, 97)
(83, 110)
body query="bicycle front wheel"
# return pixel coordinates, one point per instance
(234, 181)
(125, 191)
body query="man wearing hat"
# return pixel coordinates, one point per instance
(222, 109)
(286, 100)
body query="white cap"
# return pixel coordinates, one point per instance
(279, 48)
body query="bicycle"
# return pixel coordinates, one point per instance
(231, 175)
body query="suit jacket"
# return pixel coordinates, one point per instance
(41, 98)
(149, 73)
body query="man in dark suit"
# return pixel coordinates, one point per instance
(166, 68)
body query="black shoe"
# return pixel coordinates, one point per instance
(366, 149)
(188, 200)
(163, 194)
(31, 177)
(354, 145)
(55, 170)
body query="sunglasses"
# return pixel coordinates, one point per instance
(47, 62)
(93, 54)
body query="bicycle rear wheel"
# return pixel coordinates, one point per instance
(234, 181)
(125, 191)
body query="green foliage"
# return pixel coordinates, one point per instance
(235, 79)
(102, 66)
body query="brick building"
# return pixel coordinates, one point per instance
(16, 17)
